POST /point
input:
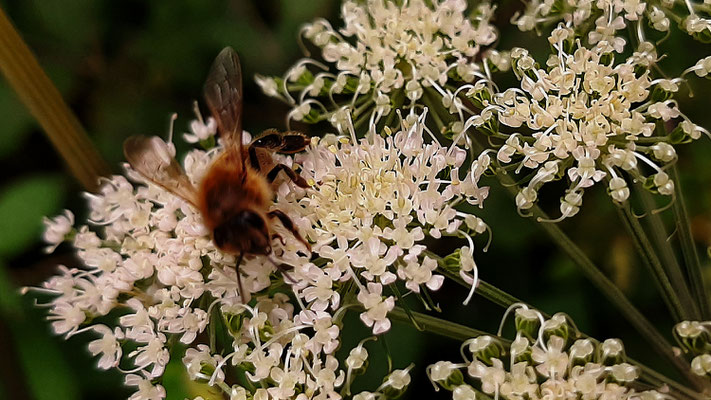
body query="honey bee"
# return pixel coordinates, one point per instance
(235, 193)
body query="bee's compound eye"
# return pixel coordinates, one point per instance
(241, 232)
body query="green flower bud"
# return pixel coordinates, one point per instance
(395, 384)
(581, 352)
(611, 352)
(486, 348)
(528, 323)
(558, 325)
(446, 374)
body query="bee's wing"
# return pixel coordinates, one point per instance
(151, 157)
(223, 94)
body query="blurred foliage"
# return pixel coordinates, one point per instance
(125, 66)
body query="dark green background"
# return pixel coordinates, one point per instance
(125, 66)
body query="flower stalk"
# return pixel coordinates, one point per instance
(651, 261)
(662, 245)
(688, 248)
(605, 285)
(435, 325)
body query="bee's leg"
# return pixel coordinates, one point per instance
(283, 268)
(287, 142)
(286, 276)
(281, 239)
(239, 277)
(298, 180)
(293, 142)
(289, 225)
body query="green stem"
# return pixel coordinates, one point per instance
(436, 325)
(651, 260)
(614, 294)
(662, 244)
(688, 248)
(45, 103)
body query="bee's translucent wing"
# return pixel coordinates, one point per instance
(223, 94)
(151, 157)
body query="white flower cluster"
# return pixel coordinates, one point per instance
(148, 259)
(694, 337)
(589, 119)
(385, 55)
(544, 361)
(373, 203)
(608, 20)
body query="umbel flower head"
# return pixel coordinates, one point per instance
(587, 118)
(547, 359)
(607, 20)
(149, 262)
(388, 55)
(374, 201)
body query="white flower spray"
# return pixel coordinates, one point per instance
(387, 57)
(148, 259)
(409, 88)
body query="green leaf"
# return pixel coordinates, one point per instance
(23, 203)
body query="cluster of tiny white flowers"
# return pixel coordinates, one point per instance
(694, 337)
(545, 360)
(147, 256)
(386, 55)
(611, 18)
(373, 202)
(590, 119)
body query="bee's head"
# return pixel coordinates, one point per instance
(243, 232)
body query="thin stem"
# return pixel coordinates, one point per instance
(688, 248)
(436, 325)
(651, 260)
(45, 103)
(614, 294)
(663, 247)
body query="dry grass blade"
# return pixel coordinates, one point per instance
(44, 101)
